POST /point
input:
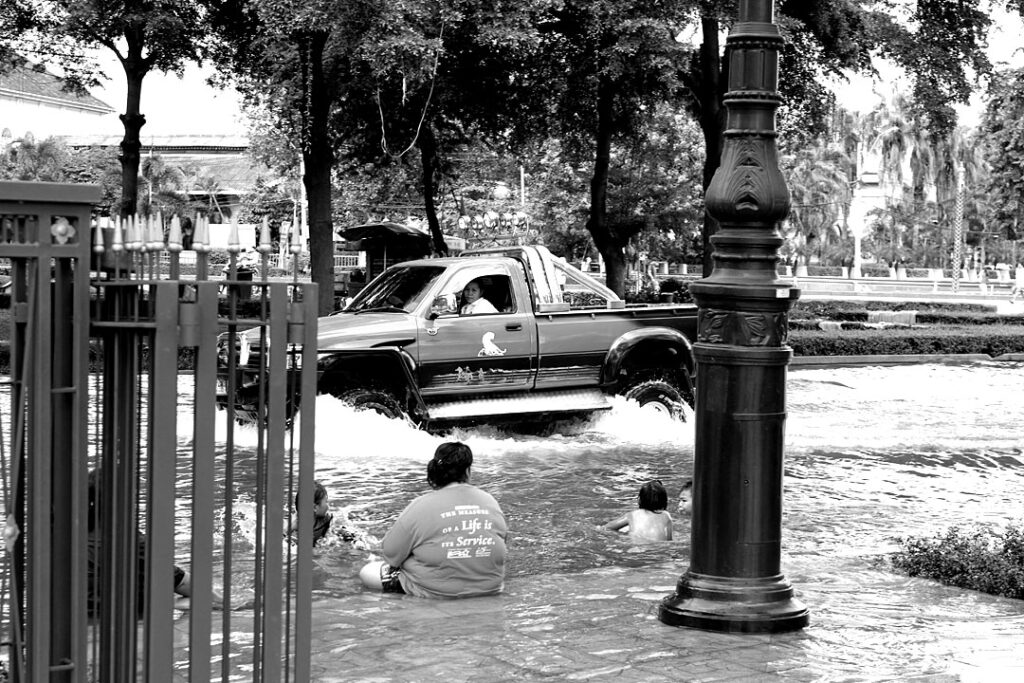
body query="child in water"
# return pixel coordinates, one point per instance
(651, 522)
(686, 498)
(323, 518)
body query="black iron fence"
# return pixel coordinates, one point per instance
(122, 481)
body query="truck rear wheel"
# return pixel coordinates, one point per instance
(659, 396)
(373, 399)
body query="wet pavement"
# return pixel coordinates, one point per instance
(602, 625)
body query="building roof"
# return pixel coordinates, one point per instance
(168, 144)
(38, 85)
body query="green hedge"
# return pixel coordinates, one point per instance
(994, 340)
(815, 308)
(977, 558)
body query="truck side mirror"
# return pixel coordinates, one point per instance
(442, 305)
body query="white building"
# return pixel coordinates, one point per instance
(33, 102)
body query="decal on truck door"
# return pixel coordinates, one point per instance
(489, 347)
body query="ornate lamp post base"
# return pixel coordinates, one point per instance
(758, 605)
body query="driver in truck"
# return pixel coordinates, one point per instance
(473, 299)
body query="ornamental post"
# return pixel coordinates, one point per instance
(734, 582)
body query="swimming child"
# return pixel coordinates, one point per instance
(651, 522)
(323, 519)
(322, 516)
(686, 498)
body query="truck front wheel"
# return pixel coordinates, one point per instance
(659, 396)
(373, 399)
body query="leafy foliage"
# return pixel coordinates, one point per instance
(978, 558)
(52, 160)
(1003, 126)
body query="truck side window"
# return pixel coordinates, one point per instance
(580, 294)
(495, 287)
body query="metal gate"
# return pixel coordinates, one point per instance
(121, 476)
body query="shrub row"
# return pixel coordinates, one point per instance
(977, 558)
(814, 308)
(922, 317)
(994, 340)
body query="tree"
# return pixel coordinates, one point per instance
(940, 48)
(613, 62)
(144, 35)
(292, 59)
(1002, 127)
(819, 182)
(26, 159)
(17, 17)
(437, 78)
(162, 184)
(822, 38)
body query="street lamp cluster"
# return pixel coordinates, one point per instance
(490, 220)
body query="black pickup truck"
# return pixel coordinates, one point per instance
(555, 341)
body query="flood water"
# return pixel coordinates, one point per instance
(872, 453)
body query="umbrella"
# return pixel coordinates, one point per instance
(387, 232)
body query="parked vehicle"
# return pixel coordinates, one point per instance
(559, 342)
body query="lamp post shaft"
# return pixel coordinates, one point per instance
(734, 582)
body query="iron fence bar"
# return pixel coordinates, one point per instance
(162, 460)
(276, 484)
(307, 429)
(22, 353)
(68, 395)
(203, 479)
(229, 495)
(80, 465)
(40, 472)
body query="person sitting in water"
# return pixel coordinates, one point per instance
(448, 543)
(686, 498)
(473, 299)
(651, 522)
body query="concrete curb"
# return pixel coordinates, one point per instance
(907, 359)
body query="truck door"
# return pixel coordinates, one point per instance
(482, 352)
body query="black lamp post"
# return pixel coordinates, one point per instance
(734, 582)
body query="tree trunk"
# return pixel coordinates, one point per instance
(135, 69)
(318, 158)
(710, 115)
(428, 157)
(605, 239)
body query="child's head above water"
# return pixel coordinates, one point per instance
(319, 499)
(653, 496)
(686, 497)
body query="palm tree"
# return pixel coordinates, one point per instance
(163, 183)
(45, 160)
(819, 183)
(960, 165)
(902, 142)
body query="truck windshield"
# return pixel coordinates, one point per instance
(399, 289)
